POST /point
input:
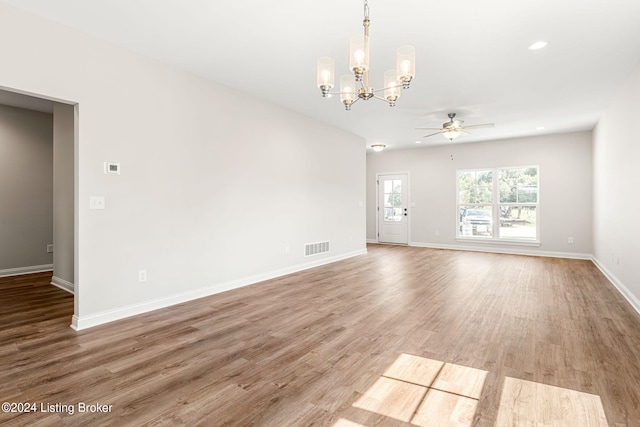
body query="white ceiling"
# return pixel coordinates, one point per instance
(472, 56)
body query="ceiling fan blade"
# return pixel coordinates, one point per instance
(458, 123)
(486, 125)
(428, 128)
(437, 133)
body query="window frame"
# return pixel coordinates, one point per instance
(495, 205)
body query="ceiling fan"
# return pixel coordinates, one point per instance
(453, 128)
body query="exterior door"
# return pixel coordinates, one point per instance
(393, 208)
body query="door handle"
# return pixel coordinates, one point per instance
(405, 211)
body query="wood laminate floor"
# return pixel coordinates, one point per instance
(398, 334)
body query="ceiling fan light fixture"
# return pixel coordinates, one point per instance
(378, 147)
(453, 128)
(451, 134)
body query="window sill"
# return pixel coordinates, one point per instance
(534, 243)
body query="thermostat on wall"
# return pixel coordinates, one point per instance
(111, 168)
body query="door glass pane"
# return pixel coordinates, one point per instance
(388, 200)
(392, 214)
(518, 222)
(397, 200)
(476, 221)
(388, 187)
(397, 186)
(388, 214)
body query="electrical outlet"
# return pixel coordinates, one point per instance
(570, 240)
(142, 276)
(49, 249)
(437, 233)
(96, 202)
(287, 250)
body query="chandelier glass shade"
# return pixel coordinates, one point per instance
(326, 75)
(355, 86)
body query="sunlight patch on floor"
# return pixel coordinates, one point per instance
(392, 398)
(445, 409)
(461, 380)
(529, 403)
(346, 423)
(425, 392)
(414, 369)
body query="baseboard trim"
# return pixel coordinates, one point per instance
(26, 270)
(372, 241)
(88, 321)
(626, 293)
(63, 284)
(502, 250)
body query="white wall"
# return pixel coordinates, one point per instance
(26, 192)
(616, 151)
(63, 195)
(214, 185)
(565, 189)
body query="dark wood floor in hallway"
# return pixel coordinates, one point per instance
(314, 348)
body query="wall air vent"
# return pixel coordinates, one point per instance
(311, 249)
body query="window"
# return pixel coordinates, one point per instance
(498, 204)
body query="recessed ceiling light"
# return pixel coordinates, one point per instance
(418, 142)
(540, 128)
(538, 45)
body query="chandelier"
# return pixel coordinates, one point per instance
(394, 80)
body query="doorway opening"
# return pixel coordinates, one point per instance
(56, 122)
